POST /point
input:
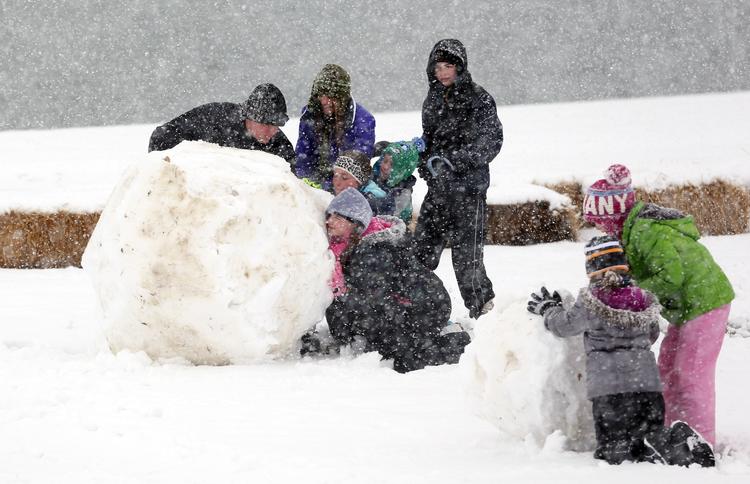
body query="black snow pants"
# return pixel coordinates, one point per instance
(409, 335)
(630, 426)
(622, 421)
(457, 219)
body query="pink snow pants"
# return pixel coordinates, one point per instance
(687, 365)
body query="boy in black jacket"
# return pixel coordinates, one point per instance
(462, 134)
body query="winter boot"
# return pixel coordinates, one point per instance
(700, 451)
(453, 339)
(615, 453)
(310, 343)
(313, 344)
(651, 454)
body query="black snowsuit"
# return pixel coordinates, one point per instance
(220, 123)
(397, 304)
(460, 124)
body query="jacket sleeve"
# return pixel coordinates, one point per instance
(487, 140)
(306, 148)
(565, 323)
(663, 263)
(170, 134)
(364, 135)
(286, 151)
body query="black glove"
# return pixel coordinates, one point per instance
(439, 166)
(542, 301)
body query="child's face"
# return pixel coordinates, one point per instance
(342, 180)
(261, 132)
(609, 227)
(328, 104)
(338, 228)
(386, 165)
(445, 73)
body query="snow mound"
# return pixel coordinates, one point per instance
(528, 382)
(211, 254)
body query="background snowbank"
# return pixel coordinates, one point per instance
(667, 140)
(211, 254)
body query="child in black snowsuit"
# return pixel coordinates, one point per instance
(382, 295)
(462, 135)
(620, 322)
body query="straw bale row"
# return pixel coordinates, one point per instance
(718, 207)
(48, 240)
(44, 240)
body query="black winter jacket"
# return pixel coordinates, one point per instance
(460, 123)
(382, 272)
(220, 123)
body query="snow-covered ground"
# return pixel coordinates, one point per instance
(71, 411)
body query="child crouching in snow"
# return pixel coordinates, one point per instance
(620, 322)
(382, 294)
(393, 174)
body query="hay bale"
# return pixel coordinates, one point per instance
(530, 223)
(573, 190)
(33, 240)
(718, 208)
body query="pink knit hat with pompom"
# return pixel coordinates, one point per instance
(610, 199)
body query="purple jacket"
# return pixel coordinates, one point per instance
(359, 135)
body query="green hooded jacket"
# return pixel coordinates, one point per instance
(666, 258)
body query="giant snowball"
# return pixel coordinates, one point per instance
(528, 382)
(216, 255)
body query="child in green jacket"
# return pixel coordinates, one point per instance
(665, 258)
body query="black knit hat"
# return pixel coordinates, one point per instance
(266, 105)
(605, 254)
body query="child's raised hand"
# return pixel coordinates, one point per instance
(541, 301)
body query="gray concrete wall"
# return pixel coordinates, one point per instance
(79, 63)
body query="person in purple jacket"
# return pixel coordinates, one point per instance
(331, 123)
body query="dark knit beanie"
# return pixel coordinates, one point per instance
(266, 105)
(332, 81)
(450, 58)
(605, 254)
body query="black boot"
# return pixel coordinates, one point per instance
(452, 346)
(690, 442)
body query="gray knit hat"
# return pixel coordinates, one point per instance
(351, 205)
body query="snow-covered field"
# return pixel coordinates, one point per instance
(71, 411)
(663, 140)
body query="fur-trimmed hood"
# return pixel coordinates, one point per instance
(621, 318)
(383, 228)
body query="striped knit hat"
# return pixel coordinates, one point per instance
(605, 254)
